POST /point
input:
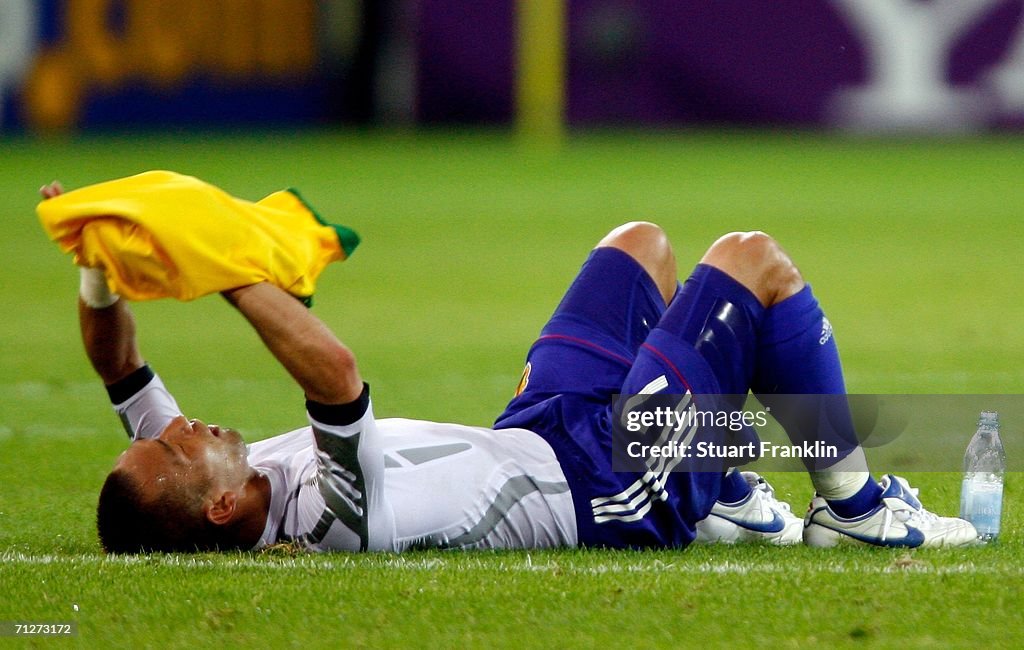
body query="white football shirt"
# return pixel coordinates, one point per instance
(395, 484)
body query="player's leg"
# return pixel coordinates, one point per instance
(579, 362)
(796, 354)
(705, 345)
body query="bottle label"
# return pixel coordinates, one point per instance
(981, 503)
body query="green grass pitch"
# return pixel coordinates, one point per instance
(914, 248)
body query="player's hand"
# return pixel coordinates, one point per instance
(51, 190)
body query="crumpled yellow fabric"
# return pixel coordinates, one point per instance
(160, 234)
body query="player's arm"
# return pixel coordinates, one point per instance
(139, 397)
(108, 334)
(320, 363)
(351, 465)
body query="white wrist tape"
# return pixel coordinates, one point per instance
(94, 290)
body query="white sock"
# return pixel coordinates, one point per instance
(844, 479)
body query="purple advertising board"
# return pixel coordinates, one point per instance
(873, 65)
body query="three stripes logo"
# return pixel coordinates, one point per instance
(635, 501)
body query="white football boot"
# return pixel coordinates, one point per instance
(758, 517)
(899, 520)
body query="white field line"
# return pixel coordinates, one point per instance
(469, 564)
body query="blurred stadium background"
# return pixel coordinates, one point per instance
(863, 65)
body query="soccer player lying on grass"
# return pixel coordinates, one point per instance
(542, 477)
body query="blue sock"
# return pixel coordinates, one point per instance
(860, 503)
(797, 355)
(734, 487)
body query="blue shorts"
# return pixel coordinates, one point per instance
(612, 334)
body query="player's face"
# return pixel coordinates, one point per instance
(189, 453)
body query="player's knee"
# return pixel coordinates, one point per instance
(758, 262)
(638, 238)
(648, 244)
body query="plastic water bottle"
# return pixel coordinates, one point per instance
(981, 495)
